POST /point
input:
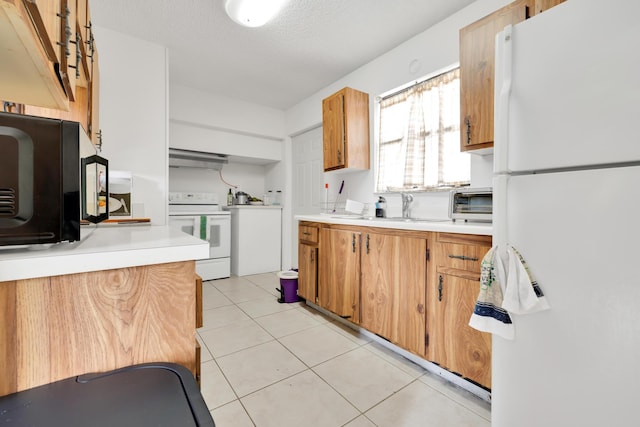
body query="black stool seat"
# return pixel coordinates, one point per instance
(151, 394)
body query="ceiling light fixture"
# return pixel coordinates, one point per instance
(253, 13)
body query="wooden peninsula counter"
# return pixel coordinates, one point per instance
(120, 296)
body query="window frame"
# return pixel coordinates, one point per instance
(377, 132)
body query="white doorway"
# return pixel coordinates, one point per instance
(308, 175)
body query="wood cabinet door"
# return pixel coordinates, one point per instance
(307, 272)
(393, 285)
(466, 350)
(44, 15)
(542, 5)
(477, 58)
(339, 273)
(94, 100)
(69, 56)
(333, 132)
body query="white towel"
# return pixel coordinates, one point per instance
(513, 280)
(522, 295)
(488, 314)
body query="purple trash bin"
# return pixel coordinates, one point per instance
(288, 286)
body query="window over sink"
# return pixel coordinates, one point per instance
(418, 145)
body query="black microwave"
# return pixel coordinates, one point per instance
(51, 179)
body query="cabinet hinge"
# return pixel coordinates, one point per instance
(428, 254)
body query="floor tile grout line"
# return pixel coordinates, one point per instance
(307, 368)
(458, 401)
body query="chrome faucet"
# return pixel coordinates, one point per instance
(407, 198)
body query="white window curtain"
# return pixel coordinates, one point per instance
(419, 139)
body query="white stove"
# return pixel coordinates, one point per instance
(200, 215)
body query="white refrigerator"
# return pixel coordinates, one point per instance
(567, 197)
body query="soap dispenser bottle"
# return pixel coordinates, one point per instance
(381, 207)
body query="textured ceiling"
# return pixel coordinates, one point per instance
(309, 45)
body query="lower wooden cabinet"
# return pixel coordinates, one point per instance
(393, 288)
(56, 327)
(416, 289)
(308, 262)
(452, 294)
(458, 347)
(339, 272)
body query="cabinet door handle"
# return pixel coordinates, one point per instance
(312, 260)
(467, 122)
(306, 233)
(339, 156)
(367, 243)
(67, 31)
(463, 257)
(353, 242)
(440, 280)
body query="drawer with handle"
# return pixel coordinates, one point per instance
(308, 233)
(461, 252)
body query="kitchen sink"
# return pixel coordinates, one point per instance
(400, 219)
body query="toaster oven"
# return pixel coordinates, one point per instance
(471, 204)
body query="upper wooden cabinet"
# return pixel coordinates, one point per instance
(345, 130)
(542, 5)
(49, 57)
(29, 32)
(477, 57)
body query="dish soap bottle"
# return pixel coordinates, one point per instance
(229, 198)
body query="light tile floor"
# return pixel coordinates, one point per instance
(269, 364)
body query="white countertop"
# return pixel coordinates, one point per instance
(445, 226)
(105, 247)
(251, 207)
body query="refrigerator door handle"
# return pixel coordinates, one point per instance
(502, 94)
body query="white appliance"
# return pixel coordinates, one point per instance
(566, 171)
(199, 214)
(256, 239)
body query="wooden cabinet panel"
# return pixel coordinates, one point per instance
(28, 72)
(94, 322)
(334, 138)
(8, 338)
(542, 5)
(94, 100)
(451, 297)
(464, 350)
(345, 130)
(477, 58)
(308, 233)
(393, 289)
(44, 73)
(308, 237)
(45, 17)
(339, 273)
(307, 272)
(199, 319)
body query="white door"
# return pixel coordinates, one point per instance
(186, 224)
(308, 177)
(577, 363)
(218, 234)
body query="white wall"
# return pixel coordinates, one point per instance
(433, 50)
(252, 135)
(133, 117)
(251, 179)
